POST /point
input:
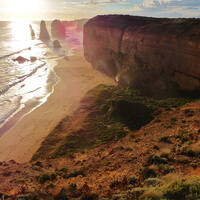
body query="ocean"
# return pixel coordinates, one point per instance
(27, 85)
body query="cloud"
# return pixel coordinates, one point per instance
(152, 8)
(151, 4)
(96, 2)
(164, 8)
(182, 11)
(166, 3)
(191, 8)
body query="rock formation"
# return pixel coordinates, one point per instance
(32, 32)
(33, 58)
(20, 59)
(58, 29)
(44, 35)
(151, 54)
(56, 44)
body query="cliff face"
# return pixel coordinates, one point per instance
(155, 55)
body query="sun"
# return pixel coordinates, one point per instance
(24, 6)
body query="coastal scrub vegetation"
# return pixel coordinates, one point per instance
(106, 113)
(153, 163)
(46, 176)
(169, 187)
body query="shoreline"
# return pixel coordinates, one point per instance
(76, 77)
(28, 107)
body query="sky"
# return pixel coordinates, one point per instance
(77, 9)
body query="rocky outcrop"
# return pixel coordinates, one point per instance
(58, 29)
(32, 32)
(56, 44)
(20, 59)
(152, 54)
(44, 35)
(33, 58)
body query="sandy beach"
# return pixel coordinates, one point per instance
(76, 77)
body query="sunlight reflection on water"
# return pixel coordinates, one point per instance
(26, 84)
(21, 36)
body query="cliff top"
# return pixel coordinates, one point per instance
(180, 26)
(122, 21)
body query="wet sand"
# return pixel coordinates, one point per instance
(76, 77)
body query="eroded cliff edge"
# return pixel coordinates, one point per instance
(152, 54)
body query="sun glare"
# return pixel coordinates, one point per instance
(23, 5)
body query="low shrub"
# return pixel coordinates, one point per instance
(62, 171)
(132, 180)
(51, 185)
(191, 150)
(46, 177)
(7, 173)
(61, 195)
(165, 139)
(24, 197)
(72, 190)
(89, 196)
(157, 160)
(18, 180)
(151, 194)
(106, 163)
(152, 182)
(114, 184)
(184, 189)
(74, 173)
(188, 113)
(38, 163)
(165, 152)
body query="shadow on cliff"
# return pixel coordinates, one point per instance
(158, 56)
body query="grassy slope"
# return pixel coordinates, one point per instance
(146, 164)
(106, 114)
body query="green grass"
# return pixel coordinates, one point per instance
(111, 111)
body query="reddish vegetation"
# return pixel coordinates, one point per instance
(130, 156)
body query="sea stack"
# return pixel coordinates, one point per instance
(56, 44)
(44, 35)
(32, 32)
(58, 28)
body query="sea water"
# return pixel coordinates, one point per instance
(28, 84)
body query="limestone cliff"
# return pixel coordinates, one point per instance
(152, 54)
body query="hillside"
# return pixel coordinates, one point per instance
(166, 148)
